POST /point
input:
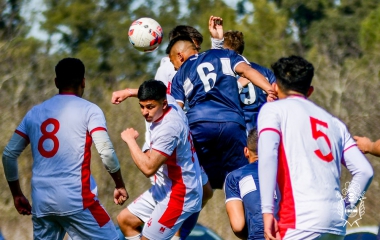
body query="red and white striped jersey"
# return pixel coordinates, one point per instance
(301, 147)
(178, 181)
(59, 131)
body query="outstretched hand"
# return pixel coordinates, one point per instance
(22, 205)
(215, 26)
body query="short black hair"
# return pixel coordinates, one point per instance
(293, 73)
(234, 40)
(152, 90)
(184, 30)
(175, 40)
(69, 72)
(252, 140)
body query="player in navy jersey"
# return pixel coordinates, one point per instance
(251, 96)
(242, 193)
(207, 81)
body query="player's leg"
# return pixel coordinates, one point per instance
(91, 223)
(136, 213)
(164, 222)
(205, 137)
(191, 221)
(47, 228)
(233, 139)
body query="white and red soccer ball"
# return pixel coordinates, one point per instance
(145, 34)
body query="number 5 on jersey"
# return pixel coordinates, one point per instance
(46, 135)
(317, 133)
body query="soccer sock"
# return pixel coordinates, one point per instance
(188, 225)
(137, 237)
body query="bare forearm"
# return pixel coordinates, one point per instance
(257, 79)
(140, 159)
(15, 188)
(118, 179)
(375, 148)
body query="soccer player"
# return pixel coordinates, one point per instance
(302, 146)
(251, 96)
(242, 193)
(61, 131)
(165, 73)
(207, 80)
(177, 192)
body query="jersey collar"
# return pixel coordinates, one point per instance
(166, 111)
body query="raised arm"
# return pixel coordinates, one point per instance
(147, 163)
(256, 78)
(215, 26)
(121, 95)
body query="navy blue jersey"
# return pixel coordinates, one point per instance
(207, 80)
(253, 97)
(243, 184)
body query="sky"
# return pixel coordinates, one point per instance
(33, 12)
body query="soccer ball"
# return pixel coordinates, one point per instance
(145, 34)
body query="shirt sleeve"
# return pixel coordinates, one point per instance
(165, 72)
(358, 165)
(166, 139)
(231, 188)
(106, 150)
(11, 152)
(96, 119)
(269, 142)
(217, 43)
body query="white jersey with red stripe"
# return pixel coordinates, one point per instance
(165, 73)
(178, 180)
(307, 160)
(59, 131)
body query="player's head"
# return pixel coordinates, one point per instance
(69, 74)
(152, 99)
(180, 49)
(294, 75)
(234, 40)
(250, 151)
(183, 30)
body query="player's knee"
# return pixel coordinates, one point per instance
(127, 219)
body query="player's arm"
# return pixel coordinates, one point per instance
(107, 153)
(367, 146)
(215, 27)
(256, 78)
(147, 163)
(121, 95)
(10, 154)
(235, 206)
(361, 170)
(269, 142)
(235, 212)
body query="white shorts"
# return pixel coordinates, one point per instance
(297, 234)
(161, 221)
(91, 223)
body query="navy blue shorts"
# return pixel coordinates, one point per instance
(220, 148)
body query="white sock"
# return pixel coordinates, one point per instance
(137, 237)
(176, 238)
